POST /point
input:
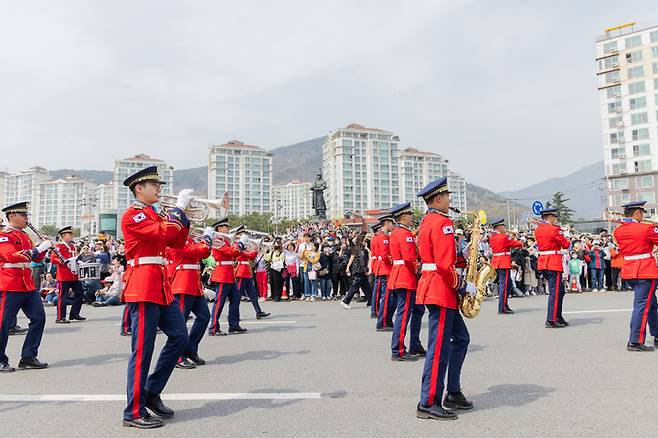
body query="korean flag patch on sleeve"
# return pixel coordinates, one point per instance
(655, 230)
(448, 230)
(139, 217)
(410, 239)
(4, 239)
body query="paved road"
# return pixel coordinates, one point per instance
(525, 380)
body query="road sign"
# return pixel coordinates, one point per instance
(537, 207)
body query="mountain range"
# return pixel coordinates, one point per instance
(302, 160)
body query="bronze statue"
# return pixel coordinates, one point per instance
(318, 187)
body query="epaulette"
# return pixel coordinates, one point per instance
(139, 205)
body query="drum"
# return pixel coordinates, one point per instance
(89, 271)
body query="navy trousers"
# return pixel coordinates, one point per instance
(198, 306)
(225, 291)
(63, 292)
(447, 345)
(387, 305)
(555, 295)
(503, 289)
(378, 290)
(407, 310)
(126, 320)
(30, 303)
(146, 319)
(645, 310)
(246, 286)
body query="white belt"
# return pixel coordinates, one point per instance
(226, 263)
(634, 257)
(188, 267)
(244, 263)
(398, 262)
(147, 261)
(502, 253)
(16, 265)
(548, 252)
(429, 267)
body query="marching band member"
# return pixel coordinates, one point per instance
(438, 290)
(223, 281)
(636, 241)
(501, 246)
(188, 290)
(244, 275)
(402, 283)
(148, 295)
(67, 277)
(17, 287)
(382, 271)
(375, 259)
(550, 241)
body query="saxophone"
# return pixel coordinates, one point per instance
(478, 270)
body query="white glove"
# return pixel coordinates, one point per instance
(209, 231)
(470, 288)
(184, 198)
(72, 264)
(45, 245)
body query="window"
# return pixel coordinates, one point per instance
(615, 137)
(655, 84)
(636, 87)
(622, 198)
(637, 102)
(642, 166)
(614, 122)
(639, 118)
(635, 56)
(654, 67)
(644, 182)
(609, 47)
(653, 36)
(634, 41)
(613, 92)
(618, 168)
(612, 77)
(640, 134)
(654, 52)
(647, 196)
(635, 72)
(613, 107)
(620, 184)
(609, 63)
(618, 152)
(641, 149)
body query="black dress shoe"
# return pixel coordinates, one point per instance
(506, 312)
(554, 324)
(385, 329)
(217, 333)
(434, 412)
(145, 422)
(196, 360)
(6, 368)
(262, 315)
(185, 365)
(17, 330)
(154, 403)
(563, 322)
(633, 346)
(31, 363)
(77, 318)
(408, 357)
(457, 400)
(126, 333)
(655, 342)
(236, 330)
(420, 353)
(62, 321)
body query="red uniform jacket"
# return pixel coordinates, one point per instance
(381, 254)
(186, 277)
(405, 260)
(636, 242)
(225, 257)
(244, 258)
(147, 234)
(550, 239)
(63, 271)
(436, 245)
(502, 245)
(15, 248)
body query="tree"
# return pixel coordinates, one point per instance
(48, 230)
(564, 213)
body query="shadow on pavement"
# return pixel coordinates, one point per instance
(474, 348)
(59, 329)
(279, 328)
(509, 395)
(253, 355)
(101, 359)
(585, 321)
(530, 310)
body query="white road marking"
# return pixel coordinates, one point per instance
(246, 322)
(178, 397)
(574, 312)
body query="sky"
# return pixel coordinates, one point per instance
(505, 90)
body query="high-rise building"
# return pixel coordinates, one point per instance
(457, 185)
(64, 202)
(105, 211)
(627, 70)
(3, 183)
(417, 169)
(24, 186)
(361, 168)
(245, 173)
(292, 200)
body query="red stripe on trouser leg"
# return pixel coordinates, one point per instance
(374, 304)
(557, 295)
(403, 325)
(385, 308)
(139, 352)
(505, 290)
(125, 318)
(59, 300)
(645, 314)
(218, 300)
(436, 358)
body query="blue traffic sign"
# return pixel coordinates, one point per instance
(537, 207)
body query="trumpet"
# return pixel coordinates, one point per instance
(257, 233)
(217, 239)
(618, 217)
(197, 211)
